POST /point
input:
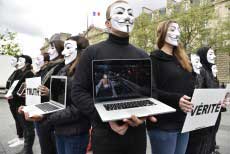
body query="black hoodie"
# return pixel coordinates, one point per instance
(172, 82)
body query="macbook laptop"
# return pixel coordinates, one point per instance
(58, 87)
(122, 88)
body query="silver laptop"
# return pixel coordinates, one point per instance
(122, 88)
(58, 90)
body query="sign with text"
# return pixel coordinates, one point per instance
(33, 95)
(206, 109)
(12, 87)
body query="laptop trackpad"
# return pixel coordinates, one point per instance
(139, 112)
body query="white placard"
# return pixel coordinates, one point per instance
(228, 86)
(12, 87)
(33, 95)
(206, 109)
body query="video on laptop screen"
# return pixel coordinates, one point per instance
(121, 79)
(58, 90)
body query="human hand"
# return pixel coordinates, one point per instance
(119, 129)
(20, 109)
(43, 90)
(33, 118)
(135, 121)
(184, 104)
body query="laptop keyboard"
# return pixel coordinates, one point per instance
(46, 107)
(126, 105)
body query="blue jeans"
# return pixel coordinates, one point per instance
(165, 142)
(72, 144)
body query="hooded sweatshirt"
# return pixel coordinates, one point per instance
(172, 82)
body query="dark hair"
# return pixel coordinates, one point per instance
(179, 51)
(82, 43)
(46, 57)
(28, 61)
(202, 52)
(59, 45)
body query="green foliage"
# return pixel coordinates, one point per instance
(8, 45)
(197, 23)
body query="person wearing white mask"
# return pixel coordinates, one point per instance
(14, 105)
(71, 127)
(128, 135)
(24, 64)
(172, 72)
(196, 65)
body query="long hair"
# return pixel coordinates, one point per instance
(82, 43)
(178, 51)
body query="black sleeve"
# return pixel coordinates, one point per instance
(28, 74)
(82, 85)
(68, 115)
(163, 96)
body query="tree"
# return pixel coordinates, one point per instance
(143, 34)
(8, 45)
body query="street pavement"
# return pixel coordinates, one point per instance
(8, 132)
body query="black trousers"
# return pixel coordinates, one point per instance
(14, 112)
(46, 139)
(105, 141)
(28, 133)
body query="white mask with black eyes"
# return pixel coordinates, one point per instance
(173, 34)
(13, 62)
(38, 63)
(211, 56)
(70, 51)
(121, 17)
(214, 70)
(21, 62)
(195, 60)
(52, 52)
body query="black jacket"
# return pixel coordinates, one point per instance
(172, 82)
(82, 89)
(14, 76)
(68, 121)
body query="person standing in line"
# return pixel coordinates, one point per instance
(70, 126)
(207, 58)
(123, 137)
(172, 73)
(25, 64)
(13, 105)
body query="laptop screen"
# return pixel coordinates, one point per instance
(58, 90)
(121, 79)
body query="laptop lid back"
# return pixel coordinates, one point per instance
(121, 79)
(58, 90)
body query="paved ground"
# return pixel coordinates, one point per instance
(7, 132)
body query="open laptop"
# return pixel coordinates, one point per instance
(58, 90)
(122, 88)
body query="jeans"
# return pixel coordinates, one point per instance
(72, 144)
(165, 142)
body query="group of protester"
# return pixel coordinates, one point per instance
(67, 131)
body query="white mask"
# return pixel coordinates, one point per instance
(122, 18)
(38, 63)
(195, 60)
(173, 34)
(21, 62)
(70, 51)
(211, 56)
(52, 52)
(214, 70)
(13, 61)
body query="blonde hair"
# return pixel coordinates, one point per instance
(109, 8)
(179, 51)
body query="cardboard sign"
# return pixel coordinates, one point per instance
(33, 95)
(206, 109)
(12, 87)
